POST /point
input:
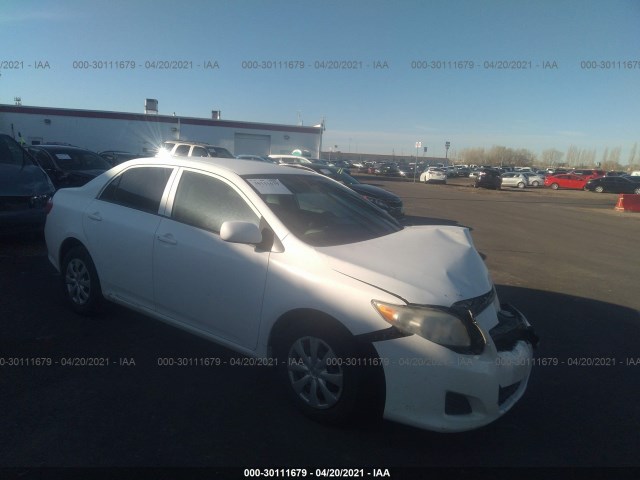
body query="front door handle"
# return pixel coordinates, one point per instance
(95, 216)
(167, 238)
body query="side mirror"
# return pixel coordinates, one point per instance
(240, 232)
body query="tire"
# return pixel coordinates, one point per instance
(599, 189)
(80, 282)
(535, 184)
(314, 375)
(555, 186)
(520, 185)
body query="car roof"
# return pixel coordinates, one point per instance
(58, 147)
(213, 164)
(190, 142)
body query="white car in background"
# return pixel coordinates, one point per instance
(434, 175)
(289, 267)
(534, 179)
(290, 159)
(514, 179)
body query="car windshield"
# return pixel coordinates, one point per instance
(319, 212)
(69, 159)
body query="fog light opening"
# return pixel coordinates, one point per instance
(457, 404)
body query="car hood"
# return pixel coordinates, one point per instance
(373, 191)
(426, 265)
(17, 180)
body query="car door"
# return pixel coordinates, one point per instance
(617, 185)
(120, 225)
(576, 182)
(199, 279)
(507, 179)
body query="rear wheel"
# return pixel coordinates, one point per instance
(637, 191)
(535, 184)
(80, 281)
(520, 185)
(599, 189)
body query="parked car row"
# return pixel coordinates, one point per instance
(381, 198)
(69, 166)
(492, 178)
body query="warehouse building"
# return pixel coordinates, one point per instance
(143, 133)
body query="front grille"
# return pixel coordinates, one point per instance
(511, 328)
(504, 393)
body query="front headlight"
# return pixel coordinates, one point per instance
(451, 328)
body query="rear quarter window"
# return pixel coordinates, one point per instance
(140, 188)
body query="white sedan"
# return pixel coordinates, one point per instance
(433, 175)
(288, 266)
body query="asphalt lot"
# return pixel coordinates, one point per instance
(566, 259)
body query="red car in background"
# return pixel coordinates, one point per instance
(566, 180)
(588, 173)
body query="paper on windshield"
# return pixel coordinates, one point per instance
(269, 186)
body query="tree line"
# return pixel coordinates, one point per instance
(575, 157)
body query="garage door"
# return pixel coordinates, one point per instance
(249, 144)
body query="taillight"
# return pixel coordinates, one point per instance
(48, 206)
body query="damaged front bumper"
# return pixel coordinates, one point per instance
(456, 392)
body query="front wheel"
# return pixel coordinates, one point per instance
(599, 189)
(520, 185)
(637, 191)
(80, 281)
(554, 186)
(535, 184)
(319, 374)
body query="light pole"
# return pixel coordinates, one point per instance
(415, 166)
(446, 153)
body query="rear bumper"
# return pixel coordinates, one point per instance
(22, 221)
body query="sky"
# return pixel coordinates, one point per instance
(382, 74)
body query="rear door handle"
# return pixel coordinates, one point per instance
(167, 238)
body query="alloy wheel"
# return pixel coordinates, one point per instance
(78, 281)
(314, 372)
